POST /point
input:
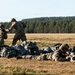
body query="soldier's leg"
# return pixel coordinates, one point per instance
(1, 41)
(15, 39)
(23, 38)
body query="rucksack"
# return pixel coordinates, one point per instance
(24, 25)
(20, 50)
(32, 48)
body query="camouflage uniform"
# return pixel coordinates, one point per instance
(60, 55)
(2, 34)
(20, 34)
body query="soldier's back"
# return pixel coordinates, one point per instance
(19, 27)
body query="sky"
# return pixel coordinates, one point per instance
(24, 9)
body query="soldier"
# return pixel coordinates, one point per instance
(3, 34)
(62, 54)
(19, 27)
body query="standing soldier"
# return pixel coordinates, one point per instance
(19, 27)
(3, 34)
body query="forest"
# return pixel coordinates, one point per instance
(47, 25)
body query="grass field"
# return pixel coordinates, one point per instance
(35, 67)
(46, 39)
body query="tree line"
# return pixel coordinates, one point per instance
(48, 25)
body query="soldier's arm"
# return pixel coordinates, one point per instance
(11, 27)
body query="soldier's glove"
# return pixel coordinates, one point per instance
(7, 30)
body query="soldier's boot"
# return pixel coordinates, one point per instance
(24, 43)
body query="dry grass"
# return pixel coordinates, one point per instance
(35, 67)
(46, 39)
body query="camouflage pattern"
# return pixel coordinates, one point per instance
(60, 55)
(32, 48)
(72, 57)
(2, 34)
(8, 52)
(72, 54)
(12, 51)
(47, 56)
(46, 50)
(24, 57)
(1, 39)
(20, 34)
(21, 52)
(56, 46)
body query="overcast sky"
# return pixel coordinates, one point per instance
(22, 9)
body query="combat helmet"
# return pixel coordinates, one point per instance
(13, 19)
(64, 47)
